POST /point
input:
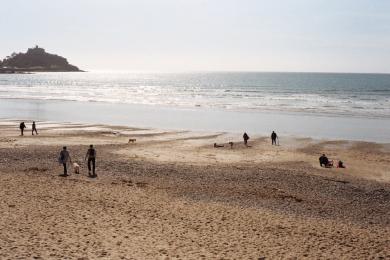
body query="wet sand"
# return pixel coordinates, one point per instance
(171, 195)
(298, 123)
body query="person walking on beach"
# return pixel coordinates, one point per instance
(91, 155)
(64, 160)
(22, 126)
(34, 128)
(273, 137)
(246, 138)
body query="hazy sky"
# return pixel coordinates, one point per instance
(177, 35)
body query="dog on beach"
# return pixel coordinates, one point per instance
(218, 145)
(76, 168)
(132, 140)
(231, 145)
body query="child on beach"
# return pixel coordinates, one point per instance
(340, 164)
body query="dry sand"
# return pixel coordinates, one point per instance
(171, 195)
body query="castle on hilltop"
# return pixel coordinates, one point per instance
(36, 49)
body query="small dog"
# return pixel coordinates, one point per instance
(231, 145)
(132, 140)
(76, 168)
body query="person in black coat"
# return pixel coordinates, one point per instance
(34, 128)
(273, 137)
(246, 138)
(324, 161)
(22, 126)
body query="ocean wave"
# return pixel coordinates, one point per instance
(307, 93)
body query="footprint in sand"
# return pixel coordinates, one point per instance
(141, 184)
(211, 156)
(35, 169)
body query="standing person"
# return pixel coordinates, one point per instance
(91, 155)
(34, 128)
(65, 159)
(22, 126)
(273, 137)
(246, 138)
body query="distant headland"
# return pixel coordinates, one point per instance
(35, 60)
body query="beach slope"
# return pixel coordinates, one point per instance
(171, 195)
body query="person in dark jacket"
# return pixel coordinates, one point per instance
(246, 138)
(273, 137)
(34, 128)
(324, 161)
(22, 126)
(64, 160)
(91, 156)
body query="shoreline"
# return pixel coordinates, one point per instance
(200, 119)
(303, 113)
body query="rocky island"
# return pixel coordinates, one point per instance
(35, 60)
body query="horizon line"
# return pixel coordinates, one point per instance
(231, 71)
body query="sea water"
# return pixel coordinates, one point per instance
(324, 105)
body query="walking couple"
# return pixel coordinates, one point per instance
(65, 159)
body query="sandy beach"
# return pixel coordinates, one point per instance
(172, 195)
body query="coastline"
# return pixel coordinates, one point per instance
(26, 71)
(326, 127)
(171, 194)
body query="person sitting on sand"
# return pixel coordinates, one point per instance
(340, 165)
(273, 137)
(246, 138)
(324, 161)
(218, 145)
(34, 128)
(22, 126)
(91, 155)
(64, 160)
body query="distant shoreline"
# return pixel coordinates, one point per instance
(30, 71)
